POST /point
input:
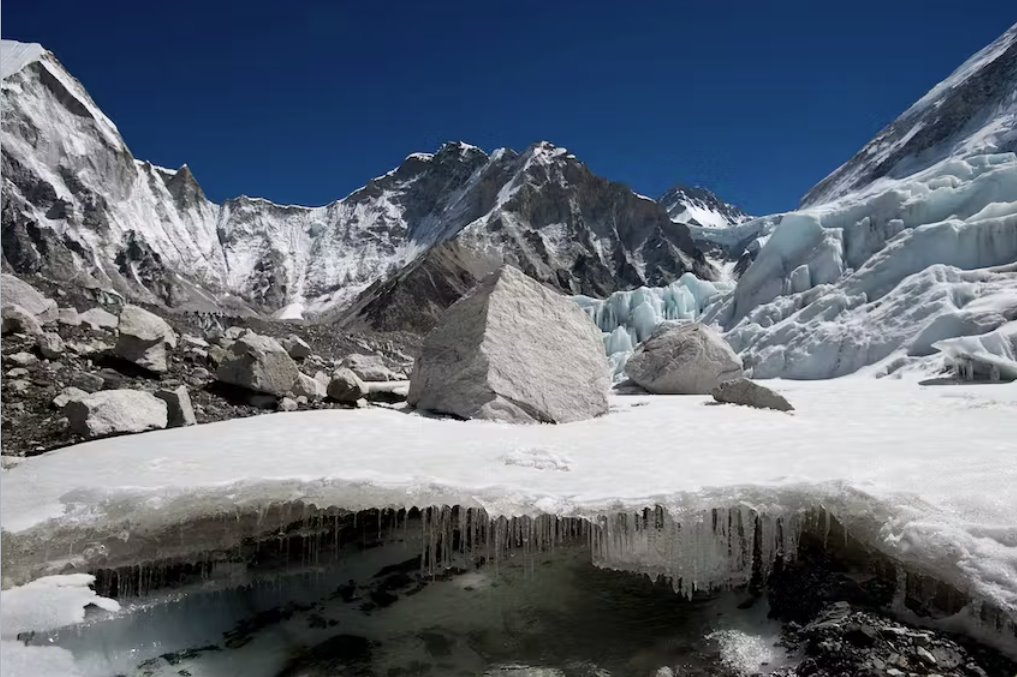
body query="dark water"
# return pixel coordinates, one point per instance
(374, 612)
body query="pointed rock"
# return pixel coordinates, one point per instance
(513, 350)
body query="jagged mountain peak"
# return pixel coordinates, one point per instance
(972, 112)
(16, 55)
(698, 206)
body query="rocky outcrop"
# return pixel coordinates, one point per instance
(346, 387)
(260, 364)
(97, 318)
(178, 406)
(18, 320)
(111, 412)
(745, 392)
(14, 291)
(144, 338)
(296, 347)
(688, 359)
(512, 350)
(50, 345)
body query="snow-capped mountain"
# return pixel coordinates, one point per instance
(698, 206)
(77, 204)
(972, 112)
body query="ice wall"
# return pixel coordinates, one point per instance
(882, 274)
(627, 318)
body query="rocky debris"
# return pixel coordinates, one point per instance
(88, 382)
(309, 387)
(110, 412)
(346, 387)
(17, 372)
(22, 359)
(751, 394)
(512, 350)
(258, 363)
(179, 410)
(18, 386)
(297, 347)
(66, 395)
(369, 368)
(50, 345)
(18, 320)
(144, 338)
(231, 334)
(287, 404)
(845, 640)
(97, 318)
(68, 316)
(686, 359)
(19, 293)
(216, 355)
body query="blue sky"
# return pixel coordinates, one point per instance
(302, 102)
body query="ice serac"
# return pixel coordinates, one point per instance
(912, 242)
(687, 359)
(78, 205)
(512, 350)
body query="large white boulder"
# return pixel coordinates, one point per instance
(260, 364)
(513, 350)
(144, 338)
(110, 412)
(686, 359)
(19, 293)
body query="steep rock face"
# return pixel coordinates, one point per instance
(78, 205)
(973, 111)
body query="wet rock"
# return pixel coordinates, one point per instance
(19, 293)
(751, 394)
(17, 320)
(178, 406)
(512, 350)
(296, 347)
(689, 359)
(346, 387)
(110, 412)
(50, 345)
(260, 364)
(144, 338)
(97, 319)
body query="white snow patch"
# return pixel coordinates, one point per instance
(16, 55)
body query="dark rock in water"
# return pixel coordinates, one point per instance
(751, 394)
(340, 655)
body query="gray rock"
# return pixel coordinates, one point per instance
(296, 347)
(346, 387)
(50, 345)
(17, 320)
(97, 319)
(18, 386)
(688, 359)
(17, 372)
(513, 350)
(66, 395)
(751, 394)
(286, 404)
(179, 411)
(69, 317)
(369, 367)
(88, 382)
(233, 333)
(144, 338)
(193, 341)
(110, 412)
(216, 354)
(262, 401)
(22, 359)
(19, 293)
(200, 374)
(260, 364)
(322, 378)
(308, 387)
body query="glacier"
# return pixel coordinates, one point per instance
(923, 475)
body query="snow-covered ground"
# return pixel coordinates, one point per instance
(927, 474)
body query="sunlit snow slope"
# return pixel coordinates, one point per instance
(77, 204)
